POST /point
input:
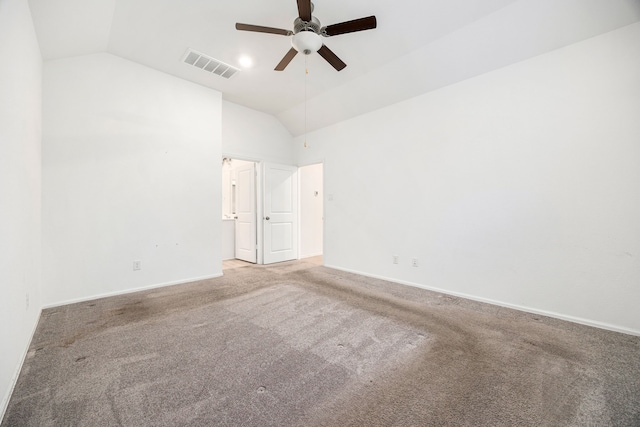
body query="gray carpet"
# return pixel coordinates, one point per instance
(301, 345)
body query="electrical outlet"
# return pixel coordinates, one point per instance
(137, 265)
(396, 259)
(414, 262)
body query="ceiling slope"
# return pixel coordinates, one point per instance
(418, 46)
(515, 33)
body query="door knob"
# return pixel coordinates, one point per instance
(267, 218)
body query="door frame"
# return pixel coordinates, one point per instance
(325, 201)
(324, 205)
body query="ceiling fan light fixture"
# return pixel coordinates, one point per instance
(306, 42)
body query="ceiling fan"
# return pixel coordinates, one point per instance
(307, 31)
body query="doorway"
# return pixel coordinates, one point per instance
(259, 211)
(311, 210)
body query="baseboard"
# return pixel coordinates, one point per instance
(130, 291)
(579, 320)
(5, 400)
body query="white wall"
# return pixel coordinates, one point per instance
(310, 210)
(20, 189)
(131, 171)
(521, 186)
(253, 135)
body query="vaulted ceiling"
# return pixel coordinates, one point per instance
(418, 46)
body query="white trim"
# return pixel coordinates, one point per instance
(5, 400)
(130, 291)
(579, 320)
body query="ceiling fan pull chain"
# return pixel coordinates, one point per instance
(306, 73)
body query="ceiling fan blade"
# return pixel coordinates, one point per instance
(361, 24)
(285, 61)
(260, 29)
(331, 58)
(304, 10)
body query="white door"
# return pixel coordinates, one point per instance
(280, 216)
(246, 213)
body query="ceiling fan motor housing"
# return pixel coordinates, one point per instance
(306, 37)
(300, 25)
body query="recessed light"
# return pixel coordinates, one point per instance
(245, 61)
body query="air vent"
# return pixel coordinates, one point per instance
(209, 64)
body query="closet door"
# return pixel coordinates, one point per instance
(280, 218)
